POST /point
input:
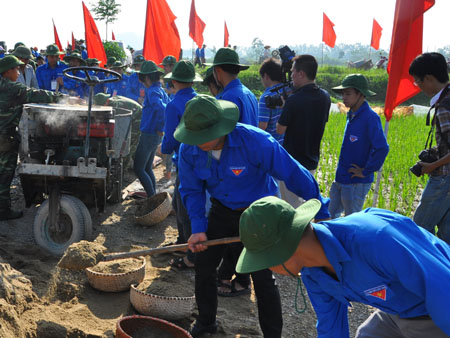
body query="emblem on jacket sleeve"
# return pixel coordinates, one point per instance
(353, 138)
(378, 292)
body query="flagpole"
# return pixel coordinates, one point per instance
(379, 172)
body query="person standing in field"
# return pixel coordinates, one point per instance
(50, 74)
(430, 75)
(363, 151)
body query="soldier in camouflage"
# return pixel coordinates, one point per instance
(118, 101)
(12, 96)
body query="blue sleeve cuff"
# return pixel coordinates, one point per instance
(199, 225)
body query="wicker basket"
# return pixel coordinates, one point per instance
(128, 326)
(116, 282)
(154, 209)
(170, 308)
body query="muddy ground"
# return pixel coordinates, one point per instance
(37, 299)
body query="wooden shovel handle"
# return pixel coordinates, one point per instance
(166, 249)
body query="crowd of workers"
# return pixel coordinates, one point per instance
(246, 168)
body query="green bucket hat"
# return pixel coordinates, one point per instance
(52, 50)
(184, 71)
(270, 230)
(357, 81)
(138, 60)
(149, 67)
(227, 56)
(205, 118)
(208, 76)
(18, 44)
(76, 56)
(168, 60)
(101, 98)
(22, 52)
(117, 64)
(92, 62)
(8, 62)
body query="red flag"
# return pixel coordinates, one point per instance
(376, 35)
(73, 42)
(406, 44)
(94, 43)
(57, 41)
(196, 26)
(328, 34)
(113, 36)
(161, 34)
(226, 35)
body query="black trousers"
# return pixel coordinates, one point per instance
(224, 222)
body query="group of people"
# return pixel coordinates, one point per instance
(246, 168)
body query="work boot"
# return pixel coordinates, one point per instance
(9, 213)
(197, 329)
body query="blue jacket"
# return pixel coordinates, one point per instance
(155, 103)
(78, 87)
(118, 87)
(135, 87)
(249, 162)
(364, 144)
(246, 101)
(381, 259)
(172, 116)
(45, 75)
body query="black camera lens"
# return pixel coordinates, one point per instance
(416, 169)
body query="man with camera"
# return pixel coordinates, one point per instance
(429, 71)
(303, 119)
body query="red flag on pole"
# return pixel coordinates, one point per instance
(406, 44)
(113, 36)
(328, 34)
(73, 42)
(376, 35)
(226, 35)
(57, 41)
(196, 26)
(94, 43)
(161, 34)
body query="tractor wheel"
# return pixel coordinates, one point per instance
(86, 215)
(115, 195)
(71, 220)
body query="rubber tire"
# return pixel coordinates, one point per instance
(117, 186)
(86, 215)
(40, 228)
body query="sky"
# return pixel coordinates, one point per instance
(276, 23)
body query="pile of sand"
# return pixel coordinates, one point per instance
(81, 255)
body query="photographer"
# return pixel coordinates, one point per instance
(303, 119)
(429, 71)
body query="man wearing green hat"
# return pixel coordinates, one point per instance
(152, 125)
(50, 75)
(12, 96)
(183, 78)
(136, 89)
(27, 75)
(376, 257)
(168, 64)
(363, 151)
(210, 82)
(226, 68)
(93, 62)
(118, 87)
(237, 164)
(74, 87)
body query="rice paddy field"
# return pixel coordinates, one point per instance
(399, 190)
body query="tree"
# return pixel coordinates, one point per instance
(112, 48)
(106, 10)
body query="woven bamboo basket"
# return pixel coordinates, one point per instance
(128, 326)
(116, 282)
(154, 209)
(170, 308)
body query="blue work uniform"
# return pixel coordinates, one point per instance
(153, 109)
(100, 88)
(246, 101)
(249, 162)
(172, 116)
(364, 144)
(45, 75)
(136, 88)
(76, 88)
(118, 87)
(381, 259)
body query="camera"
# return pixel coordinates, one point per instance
(283, 90)
(428, 156)
(286, 55)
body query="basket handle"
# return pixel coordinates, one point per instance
(166, 249)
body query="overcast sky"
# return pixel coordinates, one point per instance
(275, 22)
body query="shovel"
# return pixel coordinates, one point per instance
(166, 249)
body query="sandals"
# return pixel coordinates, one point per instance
(179, 263)
(233, 292)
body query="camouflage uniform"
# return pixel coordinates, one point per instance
(12, 96)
